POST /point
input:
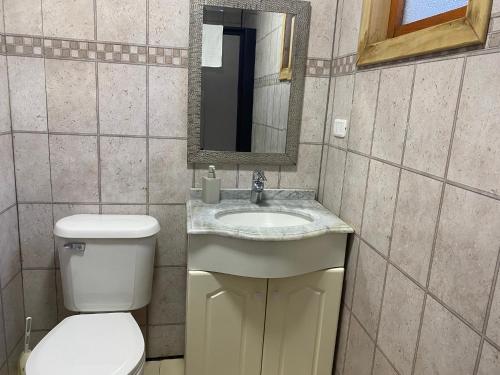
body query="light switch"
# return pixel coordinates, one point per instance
(340, 128)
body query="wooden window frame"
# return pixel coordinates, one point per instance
(381, 40)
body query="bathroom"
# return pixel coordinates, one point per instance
(99, 115)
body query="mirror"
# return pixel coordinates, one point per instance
(246, 78)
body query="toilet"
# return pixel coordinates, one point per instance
(106, 264)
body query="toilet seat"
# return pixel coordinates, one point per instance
(97, 344)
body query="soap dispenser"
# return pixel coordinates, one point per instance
(210, 187)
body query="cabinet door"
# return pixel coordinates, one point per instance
(225, 324)
(301, 323)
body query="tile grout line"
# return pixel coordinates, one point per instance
(421, 173)
(98, 137)
(393, 223)
(325, 119)
(54, 244)
(487, 313)
(15, 204)
(438, 218)
(364, 202)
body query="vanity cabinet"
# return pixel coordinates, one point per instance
(250, 326)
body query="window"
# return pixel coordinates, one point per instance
(393, 29)
(411, 15)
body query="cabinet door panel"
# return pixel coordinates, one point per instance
(225, 324)
(301, 323)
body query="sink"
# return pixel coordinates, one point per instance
(288, 235)
(263, 219)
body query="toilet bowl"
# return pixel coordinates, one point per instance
(106, 266)
(97, 344)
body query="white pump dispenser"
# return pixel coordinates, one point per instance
(210, 187)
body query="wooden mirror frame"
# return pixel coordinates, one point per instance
(375, 46)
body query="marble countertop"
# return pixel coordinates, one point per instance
(202, 217)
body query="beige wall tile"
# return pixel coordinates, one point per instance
(122, 99)
(341, 108)
(363, 111)
(381, 366)
(245, 173)
(71, 96)
(27, 93)
(37, 241)
(2, 30)
(415, 224)
(322, 28)
(368, 289)
(168, 302)
(31, 152)
(70, 19)
(314, 109)
(493, 331)
(172, 239)
(496, 6)
(353, 192)
(392, 113)
(125, 209)
(123, 170)
(432, 114)
(167, 101)
(490, 361)
(305, 175)
(165, 341)
(400, 320)
(23, 16)
(121, 20)
(447, 346)
(349, 29)
(3, 349)
(334, 179)
(13, 309)
(169, 23)
(475, 156)
(9, 249)
(466, 252)
(170, 176)
(74, 168)
(359, 355)
(40, 297)
(4, 95)
(379, 206)
(8, 186)
(62, 210)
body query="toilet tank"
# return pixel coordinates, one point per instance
(106, 261)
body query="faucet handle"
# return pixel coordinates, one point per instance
(258, 175)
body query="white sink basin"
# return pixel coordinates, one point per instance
(263, 219)
(278, 238)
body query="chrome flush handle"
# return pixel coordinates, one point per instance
(77, 247)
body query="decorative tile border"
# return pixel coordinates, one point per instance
(268, 80)
(344, 65)
(318, 67)
(22, 45)
(494, 40)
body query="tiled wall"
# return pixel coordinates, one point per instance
(11, 288)
(418, 177)
(98, 105)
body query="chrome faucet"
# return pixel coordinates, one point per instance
(258, 179)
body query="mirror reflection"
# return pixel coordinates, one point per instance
(247, 65)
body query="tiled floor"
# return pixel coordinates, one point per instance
(165, 367)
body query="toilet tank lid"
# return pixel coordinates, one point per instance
(106, 226)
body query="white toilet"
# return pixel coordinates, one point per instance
(106, 266)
